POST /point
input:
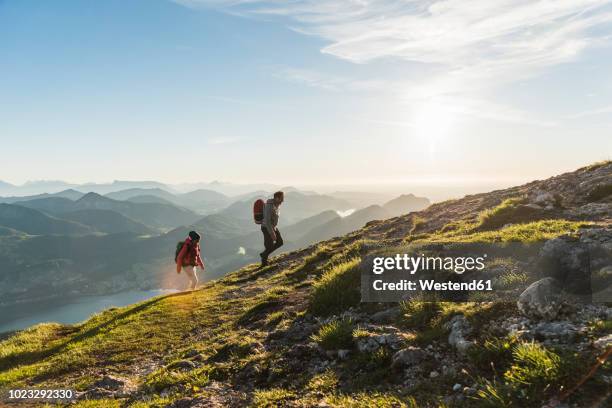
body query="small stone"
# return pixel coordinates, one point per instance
(434, 374)
(109, 382)
(541, 300)
(386, 316)
(457, 387)
(603, 343)
(408, 356)
(343, 354)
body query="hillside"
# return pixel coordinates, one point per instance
(37, 223)
(157, 215)
(109, 222)
(294, 334)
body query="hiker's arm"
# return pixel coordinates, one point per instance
(199, 260)
(268, 221)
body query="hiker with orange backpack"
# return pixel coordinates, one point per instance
(188, 257)
(267, 216)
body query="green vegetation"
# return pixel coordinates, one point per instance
(534, 373)
(420, 313)
(417, 224)
(510, 211)
(528, 232)
(276, 397)
(595, 165)
(166, 378)
(367, 400)
(269, 300)
(337, 290)
(335, 335)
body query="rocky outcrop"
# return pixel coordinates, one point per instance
(541, 300)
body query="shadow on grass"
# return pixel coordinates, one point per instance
(30, 357)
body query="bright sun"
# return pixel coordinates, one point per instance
(433, 123)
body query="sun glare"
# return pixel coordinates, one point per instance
(433, 123)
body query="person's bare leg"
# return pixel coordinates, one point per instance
(193, 277)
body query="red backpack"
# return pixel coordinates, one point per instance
(258, 211)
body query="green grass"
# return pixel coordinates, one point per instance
(373, 399)
(419, 313)
(535, 373)
(534, 365)
(513, 279)
(107, 339)
(417, 224)
(275, 397)
(335, 335)
(324, 383)
(337, 290)
(529, 232)
(167, 379)
(269, 300)
(510, 211)
(494, 354)
(596, 165)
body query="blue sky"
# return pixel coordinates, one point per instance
(303, 92)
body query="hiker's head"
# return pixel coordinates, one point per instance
(279, 197)
(194, 236)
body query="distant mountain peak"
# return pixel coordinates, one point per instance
(91, 196)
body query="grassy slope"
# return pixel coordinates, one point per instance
(239, 332)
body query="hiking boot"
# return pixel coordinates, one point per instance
(264, 260)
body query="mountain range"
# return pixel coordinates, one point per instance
(296, 333)
(124, 240)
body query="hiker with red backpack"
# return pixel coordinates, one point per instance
(187, 257)
(267, 215)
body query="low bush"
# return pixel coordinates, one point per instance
(510, 211)
(335, 335)
(337, 290)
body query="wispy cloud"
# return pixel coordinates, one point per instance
(472, 46)
(494, 36)
(592, 112)
(317, 79)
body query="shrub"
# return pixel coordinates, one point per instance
(335, 335)
(326, 382)
(337, 290)
(417, 224)
(535, 373)
(513, 279)
(510, 211)
(494, 353)
(419, 313)
(600, 191)
(533, 365)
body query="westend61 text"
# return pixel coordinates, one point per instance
(431, 285)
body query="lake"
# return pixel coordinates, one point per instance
(78, 309)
